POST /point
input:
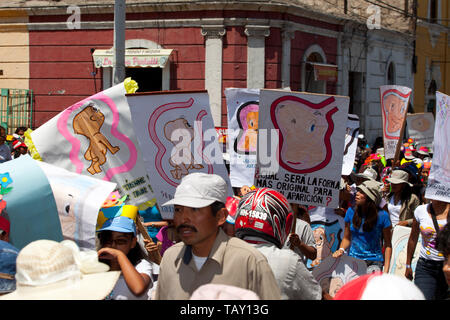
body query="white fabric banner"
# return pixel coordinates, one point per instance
(95, 137)
(300, 144)
(243, 108)
(177, 135)
(421, 128)
(394, 105)
(438, 186)
(351, 144)
(78, 200)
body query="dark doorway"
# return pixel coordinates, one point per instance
(148, 79)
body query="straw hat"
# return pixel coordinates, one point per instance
(399, 176)
(50, 270)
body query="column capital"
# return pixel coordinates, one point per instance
(288, 34)
(257, 31)
(213, 31)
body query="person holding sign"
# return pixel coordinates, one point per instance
(120, 250)
(366, 225)
(206, 254)
(401, 201)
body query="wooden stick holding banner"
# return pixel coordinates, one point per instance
(294, 223)
(399, 143)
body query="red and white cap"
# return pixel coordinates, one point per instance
(17, 144)
(379, 286)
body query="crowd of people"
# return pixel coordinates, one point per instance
(253, 245)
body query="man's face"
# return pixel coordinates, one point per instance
(195, 226)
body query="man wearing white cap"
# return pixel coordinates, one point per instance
(206, 254)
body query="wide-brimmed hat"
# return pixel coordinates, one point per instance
(371, 189)
(369, 173)
(399, 176)
(423, 151)
(50, 270)
(199, 190)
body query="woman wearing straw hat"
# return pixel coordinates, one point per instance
(366, 225)
(401, 201)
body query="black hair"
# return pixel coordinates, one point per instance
(20, 128)
(443, 241)
(370, 215)
(216, 206)
(135, 255)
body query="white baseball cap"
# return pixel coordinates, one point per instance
(199, 190)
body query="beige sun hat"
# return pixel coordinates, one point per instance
(371, 189)
(369, 173)
(399, 176)
(50, 270)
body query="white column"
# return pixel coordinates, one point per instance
(287, 36)
(213, 68)
(256, 48)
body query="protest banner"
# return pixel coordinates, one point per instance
(351, 144)
(394, 105)
(400, 237)
(438, 186)
(78, 201)
(30, 205)
(176, 133)
(421, 128)
(95, 137)
(333, 273)
(243, 108)
(300, 145)
(328, 229)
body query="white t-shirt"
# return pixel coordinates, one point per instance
(121, 290)
(394, 211)
(428, 233)
(199, 261)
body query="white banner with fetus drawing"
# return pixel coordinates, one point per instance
(421, 128)
(95, 137)
(300, 144)
(351, 144)
(78, 201)
(177, 135)
(394, 105)
(243, 107)
(438, 186)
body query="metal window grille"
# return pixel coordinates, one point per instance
(16, 108)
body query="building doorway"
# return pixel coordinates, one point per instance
(148, 79)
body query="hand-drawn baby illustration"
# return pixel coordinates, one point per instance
(181, 134)
(323, 246)
(66, 200)
(395, 108)
(304, 135)
(88, 123)
(247, 117)
(331, 285)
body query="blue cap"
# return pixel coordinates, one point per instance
(119, 224)
(8, 257)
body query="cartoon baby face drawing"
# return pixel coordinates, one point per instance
(88, 123)
(181, 134)
(394, 108)
(331, 285)
(305, 131)
(247, 116)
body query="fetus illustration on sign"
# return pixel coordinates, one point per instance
(305, 131)
(394, 105)
(181, 134)
(420, 124)
(88, 123)
(247, 117)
